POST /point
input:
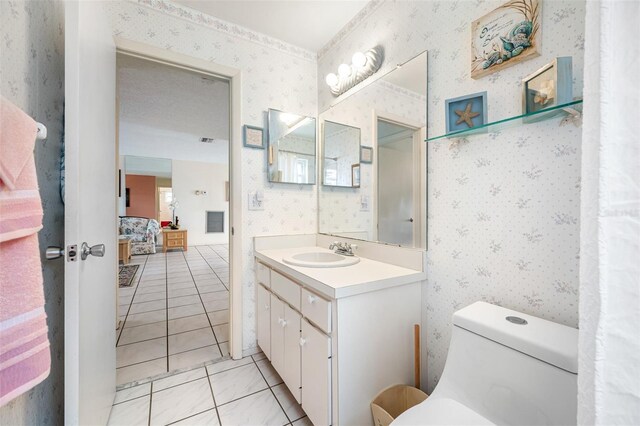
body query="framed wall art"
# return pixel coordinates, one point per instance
(355, 175)
(253, 137)
(366, 154)
(549, 86)
(505, 36)
(466, 112)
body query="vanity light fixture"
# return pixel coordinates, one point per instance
(363, 65)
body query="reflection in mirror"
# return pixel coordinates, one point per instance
(292, 148)
(340, 153)
(390, 204)
(147, 183)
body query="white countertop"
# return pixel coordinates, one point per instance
(365, 276)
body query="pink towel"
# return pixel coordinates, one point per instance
(25, 358)
(20, 206)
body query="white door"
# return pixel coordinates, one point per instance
(165, 196)
(316, 374)
(396, 165)
(263, 308)
(90, 210)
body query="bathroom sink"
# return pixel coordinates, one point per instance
(321, 259)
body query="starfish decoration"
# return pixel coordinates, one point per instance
(466, 115)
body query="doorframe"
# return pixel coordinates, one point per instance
(234, 75)
(376, 115)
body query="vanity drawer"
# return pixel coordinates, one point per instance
(317, 310)
(263, 274)
(286, 289)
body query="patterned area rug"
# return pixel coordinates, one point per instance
(126, 274)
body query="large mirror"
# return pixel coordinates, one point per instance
(292, 148)
(389, 205)
(340, 154)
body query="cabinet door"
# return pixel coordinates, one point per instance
(263, 315)
(291, 372)
(277, 334)
(316, 374)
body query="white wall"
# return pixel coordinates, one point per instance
(32, 77)
(503, 216)
(276, 75)
(189, 176)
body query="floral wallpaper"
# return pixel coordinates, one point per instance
(32, 77)
(274, 75)
(503, 208)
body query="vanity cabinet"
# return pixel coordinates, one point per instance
(316, 374)
(285, 344)
(264, 320)
(335, 352)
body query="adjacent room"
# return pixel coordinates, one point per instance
(173, 215)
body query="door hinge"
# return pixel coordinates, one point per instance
(232, 231)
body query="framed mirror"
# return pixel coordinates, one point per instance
(340, 154)
(291, 153)
(388, 200)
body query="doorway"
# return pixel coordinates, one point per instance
(174, 132)
(398, 183)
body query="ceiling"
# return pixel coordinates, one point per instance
(170, 98)
(145, 166)
(305, 23)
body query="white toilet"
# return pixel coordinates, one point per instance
(504, 368)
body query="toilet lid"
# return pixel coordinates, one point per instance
(440, 411)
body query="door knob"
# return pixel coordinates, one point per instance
(97, 250)
(410, 219)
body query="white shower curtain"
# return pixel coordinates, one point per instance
(609, 360)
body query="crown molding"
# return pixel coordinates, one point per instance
(228, 28)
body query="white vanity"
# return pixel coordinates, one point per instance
(337, 335)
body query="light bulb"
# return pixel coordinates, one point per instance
(331, 79)
(359, 59)
(344, 70)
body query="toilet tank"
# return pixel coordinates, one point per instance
(512, 368)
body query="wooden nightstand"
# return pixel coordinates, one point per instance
(124, 250)
(174, 238)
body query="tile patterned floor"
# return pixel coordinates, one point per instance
(226, 393)
(176, 313)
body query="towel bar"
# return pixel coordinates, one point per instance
(42, 131)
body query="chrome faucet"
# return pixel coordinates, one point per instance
(344, 249)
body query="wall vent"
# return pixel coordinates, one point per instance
(215, 222)
(207, 140)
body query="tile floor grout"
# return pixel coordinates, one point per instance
(172, 268)
(216, 406)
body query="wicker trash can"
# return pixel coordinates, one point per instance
(393, 401)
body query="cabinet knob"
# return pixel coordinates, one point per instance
(312, 299)
(302, 341)
(266, 307)
(282, 322)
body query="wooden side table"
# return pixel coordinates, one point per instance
(174, 238)
(124, 250)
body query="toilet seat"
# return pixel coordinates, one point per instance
(440, 411)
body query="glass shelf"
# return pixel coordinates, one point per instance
(532, 117)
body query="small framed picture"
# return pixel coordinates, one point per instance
(355, 175)
(466, 112)
(551, 85)
(253, 137)
(366, 154)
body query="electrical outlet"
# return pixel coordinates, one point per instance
(256, 200)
